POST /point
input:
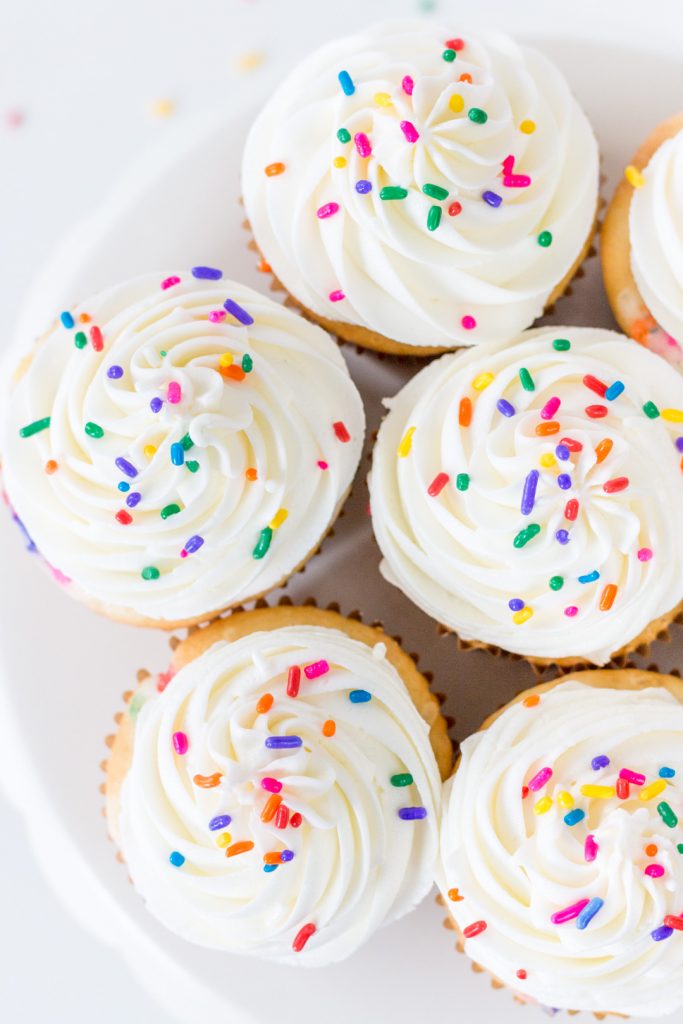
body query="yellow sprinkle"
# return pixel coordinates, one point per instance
(482, 381)
(249, 61)
(162, 108)
(224, 839)
(225, 359)
(406, 444)
(548, 460)
(565, 800)
(654, 789)
(456, 103)
(339, 161)
(672, 415)
(150, 450)
(278, 519)
(599, 792)
(543, 805)
(528, 127)
(382, 99)
(634, 177)
(523, 615)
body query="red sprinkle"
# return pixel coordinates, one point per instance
(454, 209)
(595, 385)
(455, 44)
(295, 820)
(438, 484)
(596, 412)
(525, 792)
(123, 517)
(571, 510)
(96, 339)
(281, 816)
(623, 789)
(293, 680)
(619, 483)
(569, 442)
(341, 432)
(474, 929)
(521, 974)
(673, 921)
(302, 937)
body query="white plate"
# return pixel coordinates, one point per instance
(64, 669)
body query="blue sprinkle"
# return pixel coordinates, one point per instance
(360, 696)
(412, 813)
(515, 604)
(238, 312)
(219, 822)
(502, 405)
(156, 404)
(207, 273)
(589, 912)
(283, 742)
(67, 320)
(590, 577)
(363, 186)
(679, 444)
(124, 486)
(177, 859)
(667, 773)
(662, 933)
(614, 390)
(115, 372)
(133, 499)
(562, 536)
(286, 856)
(492, 198)
(564, 481)
(193, 544)
(346, 82)
(574, 817)
(270, 867)
(601, 761)
(177, 454)
(126, 467)
(562, 452)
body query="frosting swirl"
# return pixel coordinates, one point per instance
(519, 507)
(573, 883)
(201, 439)
(282, 812)
(434, 200)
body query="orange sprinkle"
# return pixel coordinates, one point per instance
(208, 781)
(50, 466)
(264, 704)
(465, 78)
(531, 701)
(329, 727)
(603, 449)
(270, 807)
(84, 318)
(551, 427)
(236, 848)
(263, 266)
(233, 372)
(465, 412)
(607, 598)
(271, 858)
(251, 473)
(454, 894)
(652, 849)
(274, 169)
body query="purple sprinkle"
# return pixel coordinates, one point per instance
(219, 822)
(662, 933)
(126, 467)
(238, 313)
(207, 273)
(133, 499)
(564, 481)
(679, 443)
(156, 404)
(601, 761)
(502, 405)
(286, 856)
(412, 813)
(492, 198)
(562, 452)
(194, 544)
(283, 742)
(115, 372)
(363, 186)
(515, 604)
(562, 536)
(529, 492)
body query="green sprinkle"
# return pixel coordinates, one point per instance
(667, 815)
(163, 352)
(343, 135)
(135, 705)
(527, 380)
(247, 363)
(187, 443)
(263, 542)
(393, 192)
(527, 534)
(433, 218)
(435, 191)
(477, 115)
(462, 481)
(556, 582)
(94, 430)
(150, 573)
(402, 779)
(449, 55)
(169, 510)
(192, 466)
(562, 345)
(35, 427)
(80, 340)
(651, 410)
(545, 239)
(680, 847)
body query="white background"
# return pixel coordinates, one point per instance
(84, 75)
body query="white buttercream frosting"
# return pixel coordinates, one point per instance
(378, 263)
(356, 861)
(230, 455)
(515, 868)
(453, 552)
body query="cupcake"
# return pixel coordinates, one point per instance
(179, 444)
(528, 494)
(642, 245)
(281, 796)
(562, 845)
(415, 192)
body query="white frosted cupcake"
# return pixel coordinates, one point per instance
(562, 845)
(417, 188)
(528, 494)
(179, 444)
(281, 796)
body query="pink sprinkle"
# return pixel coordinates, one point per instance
(180, 743)
(410, 131)
(516, 180)
(539, 780)
(468, 322)
(216, 315)
(327, 210)
(508, 164)
(271, 785)
(14, 118)
(318, 668)
(336, 296)
(590, 848)
(654, 870)
(550, 408)
(164, 678)
(322, 464)
(569, 913)
(183, 553)
(571, 611)
(645, 554)
(408, 85)
(169, 282)
(174, 394)
(363, 146)
(635, 778)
